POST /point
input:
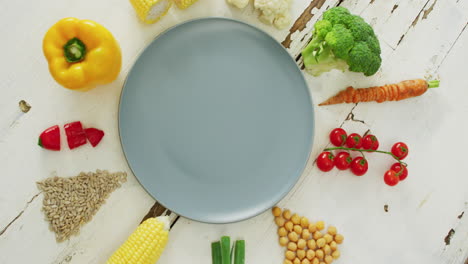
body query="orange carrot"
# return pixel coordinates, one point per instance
(391, 92)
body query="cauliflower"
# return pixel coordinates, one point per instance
(239, 3)
(274, 12)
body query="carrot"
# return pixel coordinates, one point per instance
(390, 92)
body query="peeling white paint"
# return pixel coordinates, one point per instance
(436, 46)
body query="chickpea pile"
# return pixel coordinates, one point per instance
(304, 241)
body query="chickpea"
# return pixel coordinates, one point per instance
(287, 261)
(279, 220)
(297, 261)
(292, 246)
(276, 211)
(317, 235)
(321, 242)
(312, 227)
(327, 250)
(290, 255)
(295, 219)
(311, 244)
(328, 259)
(293, 236)
(287, 214)
(328, 238)
(319, 254)
(289, 226)
(304, 222)
(301, 244)
(320, 225)
(305, 233)
(332, 230)
(315, 261)
(305, 261)
(310, 254)
(336, 254)
(301, 254)
(321, 262)
(297, 229)
(333, 246)
(339, 238)
(282, 232)
(283, 241)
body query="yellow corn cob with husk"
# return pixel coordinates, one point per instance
(182, 4)
(145, 245)
(150, 11)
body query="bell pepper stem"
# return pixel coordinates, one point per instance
(74, 50)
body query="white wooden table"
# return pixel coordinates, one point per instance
(419, 38)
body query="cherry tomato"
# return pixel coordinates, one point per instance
(399, 173)
(359, 166)
(400, 150)
(338, 137)
(390, 178)
(354, 141)
(343, 160)
(325, 161)
(370, 142)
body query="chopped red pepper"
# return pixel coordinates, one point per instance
(50, 138)
(75, 134)
(94, 136)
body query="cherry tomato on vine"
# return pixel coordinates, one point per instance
(359, 166)
(343, 160)
(354, 141)
(338, 137)
(397, 168)
(390, 178)
(400, 150)
(370, 142)
(325, 161)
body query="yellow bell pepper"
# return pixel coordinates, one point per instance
(81, 54)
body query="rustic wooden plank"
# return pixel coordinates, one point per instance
(125, 207)
(325, 196)
(417, 215)
(302, 21)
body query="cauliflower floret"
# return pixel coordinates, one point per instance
(282, 21)
(274, 12)
(239, 3)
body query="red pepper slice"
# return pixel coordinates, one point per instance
(75, 134)
(50, 138)
(94, 136)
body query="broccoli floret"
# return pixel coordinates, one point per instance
(322, 28)
(337, 15)
(342, 41)
(362, 59)
(321, 59)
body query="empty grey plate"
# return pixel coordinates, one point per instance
(216, 120)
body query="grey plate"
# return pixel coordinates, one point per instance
(216, 120)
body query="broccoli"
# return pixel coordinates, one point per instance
(342, 41)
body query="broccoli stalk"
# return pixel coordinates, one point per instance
(342, 41)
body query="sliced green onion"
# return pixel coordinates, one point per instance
(225, 250)
(216, 253)
(231, 256)
(239, 253)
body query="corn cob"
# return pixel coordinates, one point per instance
(150, 11)
(145, 245)
(182, 4)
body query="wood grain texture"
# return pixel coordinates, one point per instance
(421, 210)
(302, 21)
(155, 211)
